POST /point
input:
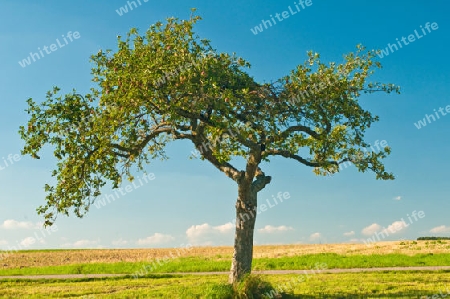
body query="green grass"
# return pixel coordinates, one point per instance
(392, 284)
(199, 264)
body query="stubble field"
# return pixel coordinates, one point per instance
(66, 257)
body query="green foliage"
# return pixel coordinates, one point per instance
(168, 84)
(432, 238)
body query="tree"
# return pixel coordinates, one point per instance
(171, 85)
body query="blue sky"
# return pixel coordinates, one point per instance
(189, 201)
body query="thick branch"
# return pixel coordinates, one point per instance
(225, 167)
(300, 128)
(311, 132)
(261, 181)
(251, 168)
(288, 154)
(199, 140)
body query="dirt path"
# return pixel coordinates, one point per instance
(270, 272)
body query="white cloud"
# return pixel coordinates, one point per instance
(3, 242)
(225, 228)
(119, 242)
(395, 227)
(203, 234)
(30, 241)
(13, 224)
(315, 236)
(440, 229)
(197, 231)
(397, 198)
(348, 234)
(272, 229)
(371, 229)
(156, 239)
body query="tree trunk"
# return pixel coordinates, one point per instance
(243, 239)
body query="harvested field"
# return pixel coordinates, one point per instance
(66, 257)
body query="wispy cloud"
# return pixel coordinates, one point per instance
(13, 224)
(119, 242)
(440, 229)
(30, 241)
(395, 227)
(397, 198)
(315, 236)
(371, 229)
(274, 229)
(349, 234)
(156, 239)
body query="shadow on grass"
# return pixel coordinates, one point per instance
(408, 295)
(226, 293)
(254, 287)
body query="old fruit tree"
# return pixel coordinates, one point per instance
(168, 85)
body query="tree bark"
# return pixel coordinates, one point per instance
(246, 205)
(243, 238)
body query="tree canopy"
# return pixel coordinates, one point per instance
(169, 84)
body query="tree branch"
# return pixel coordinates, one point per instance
(261, 181)
(225, 167)
(198, 140)
(300, 128)
(287, 154)
(308, 130)
(136, 150)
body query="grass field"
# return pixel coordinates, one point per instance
(348, 285)
(389, 284)
(207, 264)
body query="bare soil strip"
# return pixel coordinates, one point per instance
(267, 272)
